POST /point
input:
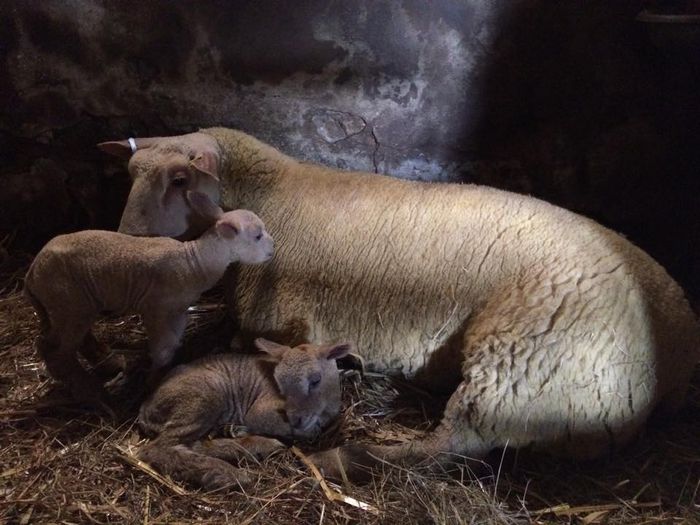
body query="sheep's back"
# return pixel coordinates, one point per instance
(401, 267)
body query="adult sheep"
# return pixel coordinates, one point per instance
(549, 328)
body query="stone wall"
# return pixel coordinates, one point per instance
(571, 101)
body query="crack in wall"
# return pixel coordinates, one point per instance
(376, 150)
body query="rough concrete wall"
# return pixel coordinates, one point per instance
(570, 101)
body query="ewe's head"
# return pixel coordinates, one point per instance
(243, 231)
(163, 169)
(308, 379)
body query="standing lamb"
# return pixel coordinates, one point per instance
(77, 276)
(291, 393)
(548, 328)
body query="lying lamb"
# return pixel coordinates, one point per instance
(290, 393)
(77, 276)
(548, 328)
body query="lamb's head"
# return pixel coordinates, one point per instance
(308, 379)
(242, 231)
(163, 169)
(247, 239)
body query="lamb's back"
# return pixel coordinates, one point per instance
(213, 390)
(110, 270)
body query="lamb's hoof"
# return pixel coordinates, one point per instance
(118, 381)
(226, 478)
(346, 463)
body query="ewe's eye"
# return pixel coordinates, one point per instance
(179, 182)
(314, 382)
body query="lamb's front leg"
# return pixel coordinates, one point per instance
(165, 331)
(268, 417)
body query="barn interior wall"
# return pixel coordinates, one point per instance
(574, 102)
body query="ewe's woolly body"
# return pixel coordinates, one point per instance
(565, 328)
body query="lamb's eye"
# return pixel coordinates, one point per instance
(314, 382)
(258, 236)
(179, 182)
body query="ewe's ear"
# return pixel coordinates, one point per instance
(206, 162)
(124, 148)
(118, 148)
(276, 350)
(204, 206)
(334, 351)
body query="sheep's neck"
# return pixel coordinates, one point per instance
(249, 165)
(207, 258)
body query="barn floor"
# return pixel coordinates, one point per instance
(62, 464)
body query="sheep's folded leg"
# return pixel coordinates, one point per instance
(453, 440)
(267, 417)
(358, 461)
(237, 449)
(187, 465)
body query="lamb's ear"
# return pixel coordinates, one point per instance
(276, 350)
(204, 206)
(208, 163)
(126, 148)
(334, 351)
(228, 226)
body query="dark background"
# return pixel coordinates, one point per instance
(574, 102)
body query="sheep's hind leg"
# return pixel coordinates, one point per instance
(237, 449)
(452, 440)
(183, 463)
(165, 333)
(496, 404)
(59, 350)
